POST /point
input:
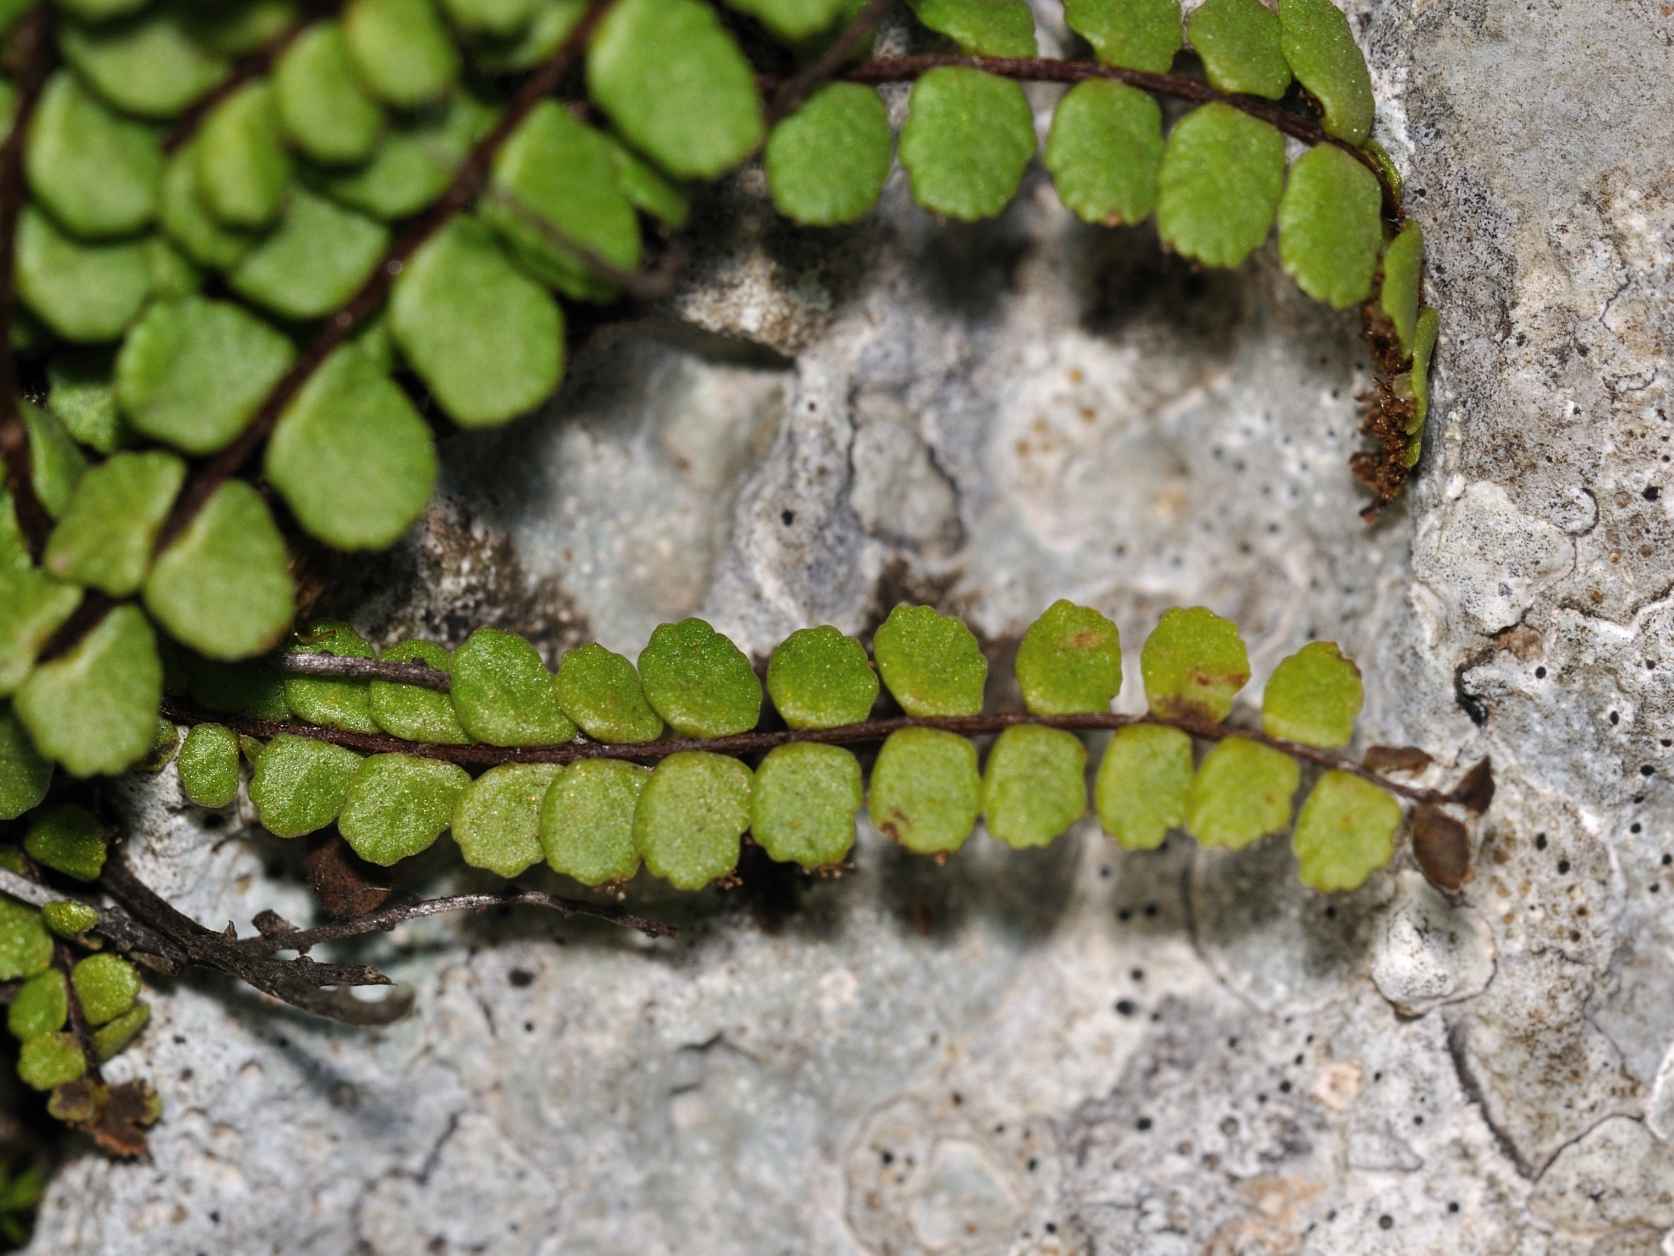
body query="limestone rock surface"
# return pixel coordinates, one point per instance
(1074, 1049)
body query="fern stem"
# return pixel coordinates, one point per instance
(63, 961)
(365, 303)
(29, 52)
(251, 66)
(484, 756)
(795, 89)
(210, 475)
(331, 667)
(1054, 70)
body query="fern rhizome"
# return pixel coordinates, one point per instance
(246, 248)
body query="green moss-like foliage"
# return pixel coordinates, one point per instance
(690, 817)
(1104, 151)
(699, 681)
(968, 139)
(827, 162)
(590, 819)
(68, 838)
(25, 945)
(411, 712)
(990, 28)
(110, 1039)
(1240, 45)
(1134, 34)
(1344, 832)
(1069, 661)
(1140, 791)
(587, 821)
(302, 183)
(803, 804)
(1033, 787)
(821, 678)
(25, 773)
(1313, 697)
(40, 1006)
(930, 663)
(49, 1060)
(1194, 663)
(503, 693)
(94, 708)
(601, 692)
(299, 785)
(1242, 791)
(106, 987)
(497, 820)
(68, 918)
(345, 704)
(209, 765)
(398, 805)
(925, 791)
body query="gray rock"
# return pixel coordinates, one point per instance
(1076, 1049)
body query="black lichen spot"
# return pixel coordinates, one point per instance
(1126, 1007)
(1386, 1222)
(1471, 704)
(787, 517)
(521, 978)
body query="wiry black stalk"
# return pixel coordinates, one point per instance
(143, 926)
(63, 961)
(245, 70)
(280, 935)
(483, 756)
(332, 667)
(799, 86)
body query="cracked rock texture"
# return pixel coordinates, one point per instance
(1075, 1049)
